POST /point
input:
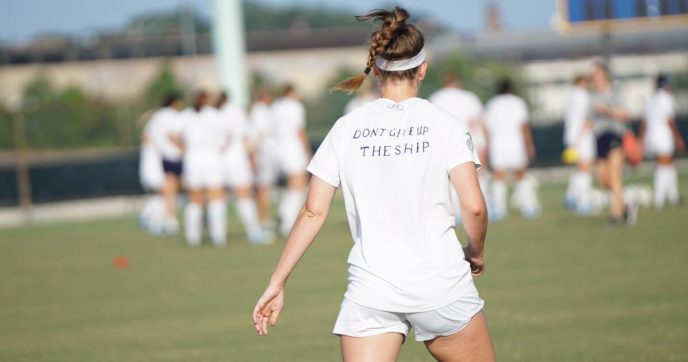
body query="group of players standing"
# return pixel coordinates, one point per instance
(595, 127)
(214, 146)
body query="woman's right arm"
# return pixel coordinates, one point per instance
(474, 213)
(307, 225)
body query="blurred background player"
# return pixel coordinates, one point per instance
(579, 138)
(510, 148)
(265, 153)
(237, 169)
(164, 129)
(364, 95)
(204, 138)
(152, 176)
(294, 152)
(465, 106)
(662, 139)
(609, 125)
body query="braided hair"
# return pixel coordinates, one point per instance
(394, 41)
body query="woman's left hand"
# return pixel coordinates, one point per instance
(268, 308)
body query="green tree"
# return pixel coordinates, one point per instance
(163, 84)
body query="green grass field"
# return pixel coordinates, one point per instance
(559, 288)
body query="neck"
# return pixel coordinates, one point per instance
(399, 91)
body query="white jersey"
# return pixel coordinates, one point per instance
(262, 123)
(236, 121)
(505, 116)
(164, 124)
(577, 110)
(659, 110)
(465, 106)
(289, 116)
(151, 174)
(236, 165)
(392, 161)
(205, 136)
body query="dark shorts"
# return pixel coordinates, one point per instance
(173, 167)
(606, 142)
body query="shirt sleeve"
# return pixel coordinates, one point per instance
(670, 107)
(325, 162)
(461, 149)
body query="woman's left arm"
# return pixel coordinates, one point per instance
(309, 222)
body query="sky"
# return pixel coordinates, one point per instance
(22, 19)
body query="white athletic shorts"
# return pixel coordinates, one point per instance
(151, 173)
(659, 144)
(586, 148)
(237, 167)
(202, 169)
(268, 168)
(356, 320)
(292, 157)
(508, 155)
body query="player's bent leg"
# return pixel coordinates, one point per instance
(472, 343)
(380, 348)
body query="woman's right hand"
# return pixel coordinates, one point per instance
(268, 308)
(476, 260)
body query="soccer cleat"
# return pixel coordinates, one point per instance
(630, 216)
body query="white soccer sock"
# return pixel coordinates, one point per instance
(193, 223)
(291, 205)
(671, 184)
(661, 184)
(248, 214)
(665, 185)
(217, 221)
(499, 198)
(584, 202)
(572, 189)
(526, 189)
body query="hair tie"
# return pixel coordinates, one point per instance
(367, 70)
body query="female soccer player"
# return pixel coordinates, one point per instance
(394, 159)
(205, 137)
(294, 151)
(465, 106)
(267, 166)
(238, 172)
(608, 121)
(152, 178)
(511, 146)
(578, 136)
(661, 139)
(165, 129)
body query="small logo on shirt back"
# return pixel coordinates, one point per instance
(469, 142)
(396, 107)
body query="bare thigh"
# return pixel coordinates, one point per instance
(297, 181)
(472, 343)
(381, 348)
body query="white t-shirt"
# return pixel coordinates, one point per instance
(235, 120)
(262, 124)
(165, 123)
(577, 110)
(465, 106)
(392, 161)
(658, 111)
(204, 130)
(461, 103)
(505, 116)
(289, 117)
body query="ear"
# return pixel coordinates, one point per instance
(422, 70)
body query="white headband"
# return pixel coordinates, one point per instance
(399, 65)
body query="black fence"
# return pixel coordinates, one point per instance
(118, 174)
